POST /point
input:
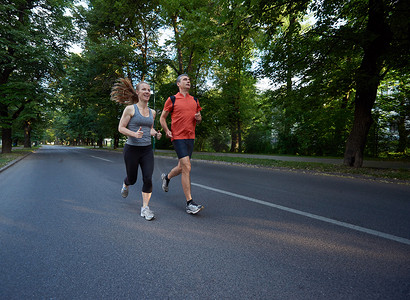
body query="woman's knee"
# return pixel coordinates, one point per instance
(130, 180)
(147, 185)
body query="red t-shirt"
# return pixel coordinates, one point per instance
(183, 116)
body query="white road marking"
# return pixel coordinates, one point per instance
(101, 158)
(309, 215)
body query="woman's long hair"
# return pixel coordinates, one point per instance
(123, 92)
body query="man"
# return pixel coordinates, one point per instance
(185, 114)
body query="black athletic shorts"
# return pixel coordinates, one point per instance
(184, 148)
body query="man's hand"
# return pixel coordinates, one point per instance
(198, 117)
(158, 135)
(169, 134)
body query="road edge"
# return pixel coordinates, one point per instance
(13, 162)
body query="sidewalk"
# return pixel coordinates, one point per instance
(366, 163)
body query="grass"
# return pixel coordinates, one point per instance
(397, 175)
(6, 158)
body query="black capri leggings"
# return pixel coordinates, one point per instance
(142, 156)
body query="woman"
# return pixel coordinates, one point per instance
(137, 123)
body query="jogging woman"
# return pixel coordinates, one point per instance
(137, 123)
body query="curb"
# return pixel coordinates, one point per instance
(13, 162)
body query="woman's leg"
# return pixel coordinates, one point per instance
(147, 169)
(131, 159)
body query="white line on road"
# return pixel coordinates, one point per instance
(309, 215)
(101, 158)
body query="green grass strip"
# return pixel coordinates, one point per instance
(379, 173)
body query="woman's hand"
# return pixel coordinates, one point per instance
(139, 133)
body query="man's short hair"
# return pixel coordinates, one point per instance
(180, 77)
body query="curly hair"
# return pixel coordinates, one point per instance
(123, 92)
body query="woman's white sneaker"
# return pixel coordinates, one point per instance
(124, 191)
(147, 213)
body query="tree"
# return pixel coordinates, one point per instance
(34, 36)
(120, 40)
(390, 131)
(192, 34)
(381, 29)
(283, 60)
(84, 96)
(130, 23)
(339, 63)
(233, 48)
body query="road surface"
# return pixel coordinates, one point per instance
(66, 233)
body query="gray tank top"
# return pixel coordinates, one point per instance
(135, 123)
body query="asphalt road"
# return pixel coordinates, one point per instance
(66, 233)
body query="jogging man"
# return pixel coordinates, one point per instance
(185, 114)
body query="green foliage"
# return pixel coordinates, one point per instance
(33, 39)
(316, 67)
(89, 114)
(312, 51)
(390, 131)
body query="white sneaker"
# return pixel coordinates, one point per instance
(164, 182)
(124, 191)
(147, 213)
(193, 208)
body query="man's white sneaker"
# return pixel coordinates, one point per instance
(193, 208)
(147, 213)
(164, 182)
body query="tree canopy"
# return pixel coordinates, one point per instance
(339, 71)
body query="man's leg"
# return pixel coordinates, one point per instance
(167, 177)
(185, 166)
(175, 171)
(191, 206)
(184, 150)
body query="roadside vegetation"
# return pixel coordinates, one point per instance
(396, 175)
(393, 175)
(311, 78)
(6, 158)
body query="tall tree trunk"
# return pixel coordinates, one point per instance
(234, 139)
(27, 134)
(239, 135)
(236, 123)
(116, 141)
(403, 133)
(340, 120)
(6, 140)
(178, 44)
(287, 125)
(403, 112)
(144, 51)
(367, 82)
(6, 127)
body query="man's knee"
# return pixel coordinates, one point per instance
(185, 165)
